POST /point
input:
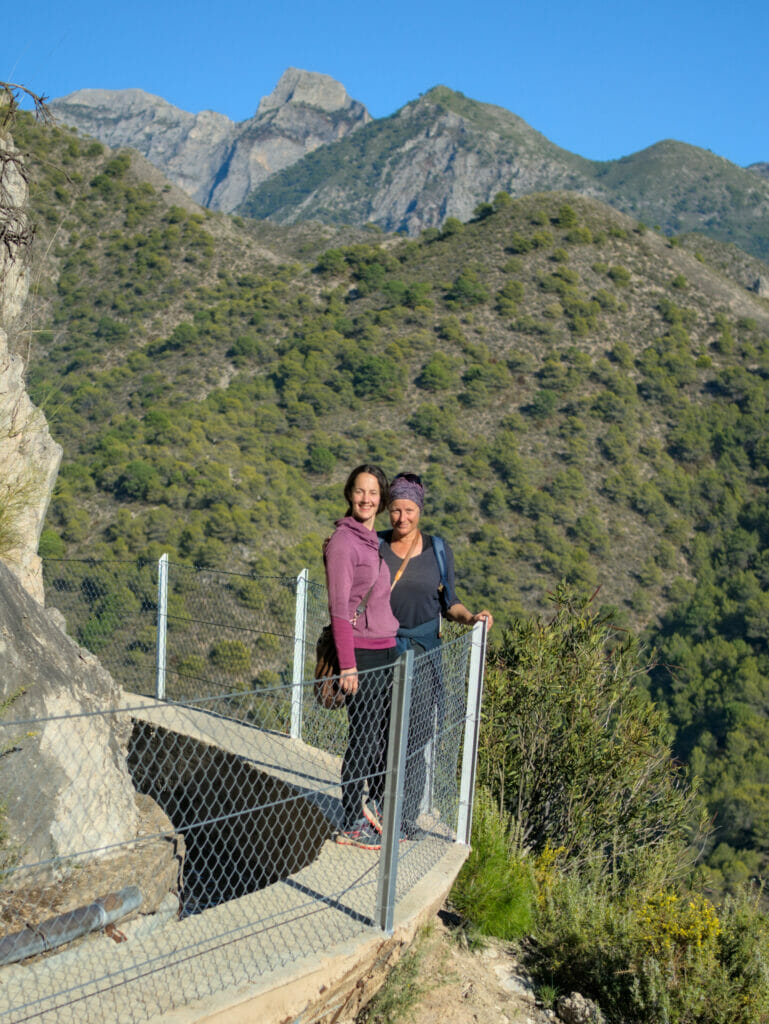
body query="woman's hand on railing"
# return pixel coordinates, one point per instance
(458, 613)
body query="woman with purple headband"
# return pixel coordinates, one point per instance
(422, 570)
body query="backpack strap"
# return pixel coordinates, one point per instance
(440, 557)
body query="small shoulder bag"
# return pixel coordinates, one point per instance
(327, 691)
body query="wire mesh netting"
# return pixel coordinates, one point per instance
(225, 631)
(199, 829)
(228, 631)
(110, 608)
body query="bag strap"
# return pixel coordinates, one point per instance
(364, 600)
(405, 562)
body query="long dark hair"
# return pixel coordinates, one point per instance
(384, 487)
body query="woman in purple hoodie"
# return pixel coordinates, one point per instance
(365, 642)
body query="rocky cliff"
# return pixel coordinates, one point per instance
(216, 160)
(66, 796)
(29, 457)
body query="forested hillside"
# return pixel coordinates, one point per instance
(585, 398)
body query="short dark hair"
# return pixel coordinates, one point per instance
(413, 478)
(384, 487)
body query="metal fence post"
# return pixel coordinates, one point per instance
(300, 628)
(393, 795)
(472, 729)
(160, 650)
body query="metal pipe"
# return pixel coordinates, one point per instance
(62, 929)
(160, 641)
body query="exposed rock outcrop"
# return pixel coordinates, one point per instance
(310, 89)
(576, 1009)
(429, 162)
(64, 782)
(72, 822)
(66, 796)
(761, 168)
(29, 457)
(215, 160)
(189, 148)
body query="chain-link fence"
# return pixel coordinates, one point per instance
(217, 850)
(181, 633)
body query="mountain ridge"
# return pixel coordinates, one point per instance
(302, 157)
(480, 149)
(217, 161)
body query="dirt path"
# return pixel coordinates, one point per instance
(442, 980)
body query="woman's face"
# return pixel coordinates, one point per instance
(365, 498)
(404, 517)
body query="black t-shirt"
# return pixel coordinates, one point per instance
(415, 599)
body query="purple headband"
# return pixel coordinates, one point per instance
(411, 490)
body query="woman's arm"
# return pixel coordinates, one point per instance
(339, 577)
(458, 613)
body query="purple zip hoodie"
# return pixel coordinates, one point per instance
(352, 565)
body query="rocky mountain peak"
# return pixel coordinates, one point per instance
(215, 160)
(309, 88)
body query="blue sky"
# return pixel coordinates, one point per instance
(600, 79)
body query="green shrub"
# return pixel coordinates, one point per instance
(567, 216)
(320, 459)
(231, 656)
(438, 373)
(467, 290)
(495, 888)
(619, 275)
(571, 747)
(51, 545)
(652, 951)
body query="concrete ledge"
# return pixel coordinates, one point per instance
(339, 982)
(299, 950)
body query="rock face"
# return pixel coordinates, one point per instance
(189, 148)
(68, 800)
(29, 457)
(65, 783)
(66, 795)
(426, 162)
(217, 161)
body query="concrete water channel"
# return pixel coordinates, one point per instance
(273, 929)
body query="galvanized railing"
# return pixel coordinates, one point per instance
(231, 852)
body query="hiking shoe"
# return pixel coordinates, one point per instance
(372, 811)
(361, 834)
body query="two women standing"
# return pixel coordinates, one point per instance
(410, 574)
